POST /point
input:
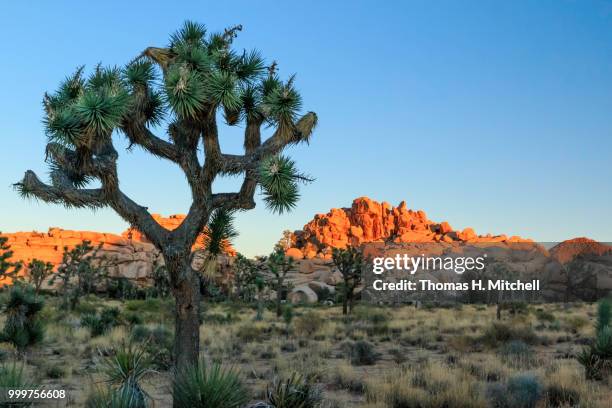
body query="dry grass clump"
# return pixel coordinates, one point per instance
(428, 385)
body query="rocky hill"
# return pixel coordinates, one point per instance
(128, 255)
(370, 221)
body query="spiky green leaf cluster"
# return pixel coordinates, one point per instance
(219, 232)
(203, 73)
(84, 112)
(279, 177)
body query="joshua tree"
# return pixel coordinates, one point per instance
(245, 276)
(279, 265)
(201, 78)
(8, 269)
(77, 273)
(350, 264)
(37, 272)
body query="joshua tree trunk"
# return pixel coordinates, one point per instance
(187, 321)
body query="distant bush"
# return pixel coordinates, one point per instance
(124, 397)
(157, 342)
(125, 369)
(12, 377)
(250, 332)
(23, 327)
(544, 316)
(295, 391)
(517, 353)
(499, 333)
(597, 357)
(308, 324)
(557, 396)
(521, 391)
(99, 324)
(208, 386)
(361, 352)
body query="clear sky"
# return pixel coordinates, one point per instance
(490, 114)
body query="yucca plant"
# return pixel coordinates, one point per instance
(209, 386)
(123, 397)
(126, 368)
(604, 314)
(597, 357)
(12, 376)
(182, 87)
(23, 327)
(296, 391)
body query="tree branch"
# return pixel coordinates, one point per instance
(63, 193)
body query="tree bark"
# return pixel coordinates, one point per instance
(186, 291)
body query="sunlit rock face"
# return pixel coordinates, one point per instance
(370, 221)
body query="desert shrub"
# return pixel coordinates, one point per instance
(575, 323)
(23, 327)
(361, 352)
(132, 318)
(250, 332)
(124, 397)
(344, 377)
(12, 377)
(55, 372)
(597, 357)
(125, 369)
(603, 343)
(521, 391)
(517, 353)
(308, 324)
(296, 391)
(604, 314)
(288, 347)
(219, 318)
(544, 316)
(209, 386)
(592, 363)
(99, 324)
(371, 315)
(499, 333)
(157, 342)
(557, 396)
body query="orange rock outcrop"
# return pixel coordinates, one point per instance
(567, 251)
(370, 221)
(131, 255)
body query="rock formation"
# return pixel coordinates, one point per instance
(129, 255)
(369, 221)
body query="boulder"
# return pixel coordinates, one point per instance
(302, 294)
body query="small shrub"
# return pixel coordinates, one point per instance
(124, 397)
(205, 386)
(308, 324)
(101, 323)
(55, 372)
(132, 318)
(249, 333)
(23, 328)
(604, 314)
(295, 391)
(557, 396)
(157, 342)
(12, 377)
(362, 352)
(125, 369)
(521, 391)
(544, 316)
(499, 333)
(517, 353)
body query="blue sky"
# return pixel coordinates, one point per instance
(490, 114)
